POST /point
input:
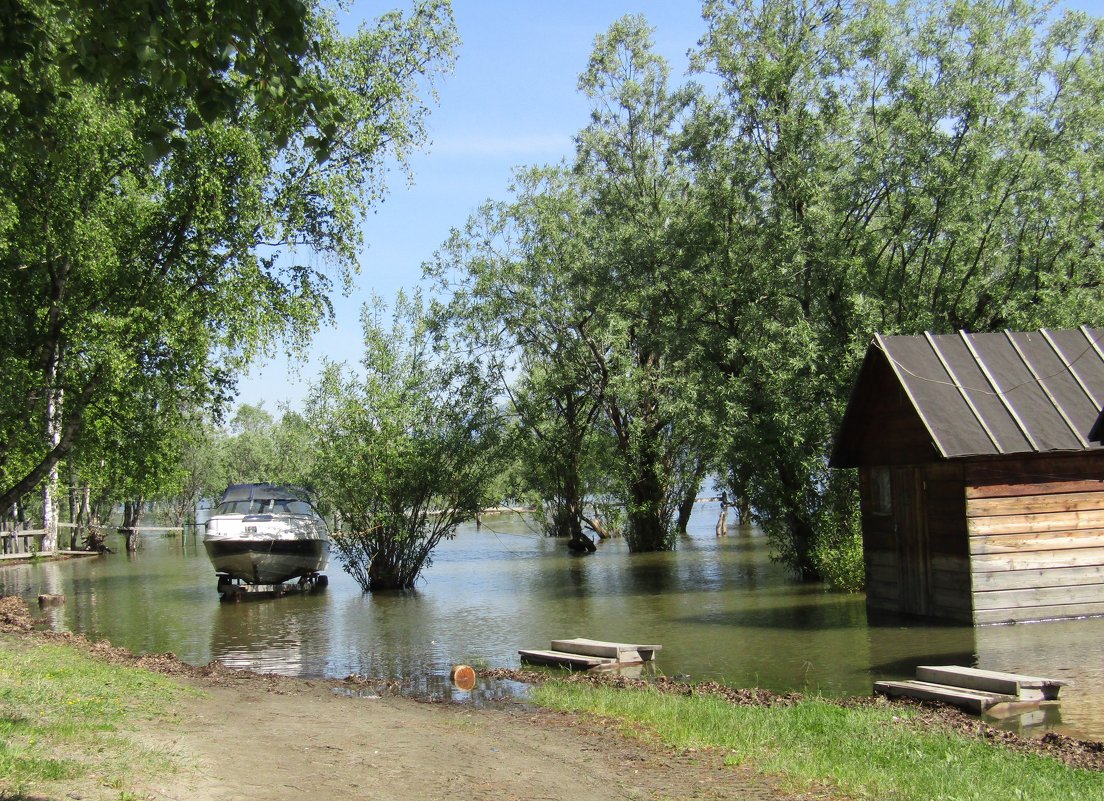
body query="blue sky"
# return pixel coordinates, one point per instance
(511, 101)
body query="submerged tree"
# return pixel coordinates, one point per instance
(643, 252)
(201, 474)
(584, 280)
(513, 274)
(406, 451)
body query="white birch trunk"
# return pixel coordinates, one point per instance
(49, 489)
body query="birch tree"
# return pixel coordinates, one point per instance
(153, 240)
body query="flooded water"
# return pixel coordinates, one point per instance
(720, 609)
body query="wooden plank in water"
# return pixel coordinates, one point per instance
(620, 651)
(1025, 688)
(578, 661)
(975, 701)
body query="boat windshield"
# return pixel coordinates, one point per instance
(265, 506)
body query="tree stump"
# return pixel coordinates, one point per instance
(463, 676)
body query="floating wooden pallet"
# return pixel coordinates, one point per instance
(583, 654)
(972, 689)
(974, 701)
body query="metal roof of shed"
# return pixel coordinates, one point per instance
(1003, 393)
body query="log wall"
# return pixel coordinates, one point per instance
(1036, 539)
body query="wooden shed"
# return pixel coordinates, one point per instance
(981, 474)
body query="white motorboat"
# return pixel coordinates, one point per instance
(266, 534)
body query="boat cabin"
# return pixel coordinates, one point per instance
(981, 474)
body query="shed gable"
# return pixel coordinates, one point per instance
(881, 426)
(976, 395)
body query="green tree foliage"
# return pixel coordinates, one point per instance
(201, 474)
(724, 261)
(133, 453)
(513, 274)
(894, 167)
(206, 457)
(405, 452)
(248, 453)
(257, 448)
(160, 55)
(143, 264)
(585, 280)
(644, 253)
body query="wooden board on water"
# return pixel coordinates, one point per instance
(623, 652)
(975, 701)
(576, 661)
(1025, 688)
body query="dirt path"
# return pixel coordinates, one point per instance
(285, 739)
(248, 736)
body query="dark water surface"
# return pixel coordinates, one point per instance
(720, 609)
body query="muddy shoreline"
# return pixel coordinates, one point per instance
(1082, 754)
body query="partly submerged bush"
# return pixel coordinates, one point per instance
(405, 453)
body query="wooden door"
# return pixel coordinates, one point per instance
(913, 553)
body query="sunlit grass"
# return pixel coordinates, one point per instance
(865, 753)
(64, 714)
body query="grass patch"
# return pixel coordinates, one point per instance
(865, 752)
(64, 715)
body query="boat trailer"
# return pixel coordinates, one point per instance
(236, 589)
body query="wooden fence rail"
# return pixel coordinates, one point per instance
(21, 541)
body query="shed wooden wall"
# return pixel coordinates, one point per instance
(916, 556)
(880, 556)
(950, 553)
(898, 437)
(1036, 537)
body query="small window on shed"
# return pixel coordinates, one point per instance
(881, 502)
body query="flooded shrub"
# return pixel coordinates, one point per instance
(838, 552)
(406, 452)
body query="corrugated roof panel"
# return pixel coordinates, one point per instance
(1019, 387)
(1059, 384)
(1095, 336)
(1085, 363)
(987, 394)
(953, 426)
(978, 386)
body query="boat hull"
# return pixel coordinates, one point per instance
(267, 561)
(266, 534)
